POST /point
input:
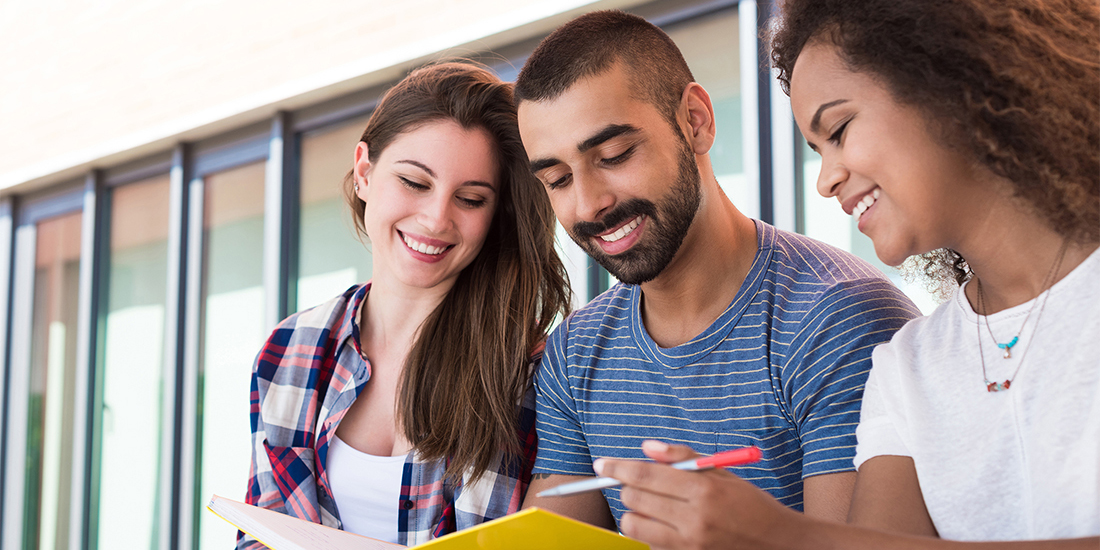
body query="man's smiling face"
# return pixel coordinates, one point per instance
(621, 177)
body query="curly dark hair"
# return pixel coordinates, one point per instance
(1014, 82)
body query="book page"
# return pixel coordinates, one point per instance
(282, 532)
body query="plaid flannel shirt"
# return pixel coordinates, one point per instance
(304, 380)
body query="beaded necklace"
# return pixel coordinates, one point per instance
(1048, 282)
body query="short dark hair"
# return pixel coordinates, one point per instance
(1015, 84)
(591, 44)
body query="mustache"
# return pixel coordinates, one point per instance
(626, 210)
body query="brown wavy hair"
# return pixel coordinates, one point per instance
(1016, 83)
(468, 368)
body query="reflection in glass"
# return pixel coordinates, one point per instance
(232, 333)
(330, 256)
(48, 488)
(710, 47)
(131, 367)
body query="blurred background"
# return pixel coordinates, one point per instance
(170, 189)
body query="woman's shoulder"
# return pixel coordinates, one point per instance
(330, 314)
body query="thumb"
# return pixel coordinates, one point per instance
(663, 452)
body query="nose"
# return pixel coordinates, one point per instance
(437, 214)
(832, 176)
(592, 196)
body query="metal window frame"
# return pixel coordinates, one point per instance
(766, 137)
(22, 218)
(7, 246)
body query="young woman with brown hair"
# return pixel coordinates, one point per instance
(402, 409)
(965, 133)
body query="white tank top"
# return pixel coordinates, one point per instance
(367, 489)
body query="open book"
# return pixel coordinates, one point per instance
(532, 529)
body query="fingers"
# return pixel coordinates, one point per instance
(648, 476)
(663, 452)
(655, 533)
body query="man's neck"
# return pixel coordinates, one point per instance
(704, 276)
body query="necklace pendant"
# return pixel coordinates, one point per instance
(1008, 346)
(992, 387)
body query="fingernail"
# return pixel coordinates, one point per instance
(598, 466)
(654, 445)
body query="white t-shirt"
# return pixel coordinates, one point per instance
(366, 488)
(1019, 464)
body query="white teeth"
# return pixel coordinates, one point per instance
(865, 203)
(623, 231)
(423, 248)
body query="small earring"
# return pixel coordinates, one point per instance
(357, 188)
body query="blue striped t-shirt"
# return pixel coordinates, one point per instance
(782, 368)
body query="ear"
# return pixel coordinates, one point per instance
(361, 170)
(695, 102)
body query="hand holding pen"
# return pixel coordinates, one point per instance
(724, 459)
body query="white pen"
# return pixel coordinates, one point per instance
(724, 459)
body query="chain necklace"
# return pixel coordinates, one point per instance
(1048, 282)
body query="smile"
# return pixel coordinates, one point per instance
(622, 231)
(862, 206)
(423, 248)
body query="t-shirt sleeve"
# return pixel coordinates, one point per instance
(877, 434)
(562, 447)
(827, 366)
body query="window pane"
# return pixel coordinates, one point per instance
(53, 369)
(825, 221)
(330, 256)
(132, 366)
(710, 46)
(232, 333)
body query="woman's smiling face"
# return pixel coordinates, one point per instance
(908, 190)
(430, 198)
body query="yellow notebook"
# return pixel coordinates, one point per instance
(531, 529)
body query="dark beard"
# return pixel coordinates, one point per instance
(667, 224)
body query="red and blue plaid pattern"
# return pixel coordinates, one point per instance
(305, 378)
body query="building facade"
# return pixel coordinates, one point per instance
(170, 189)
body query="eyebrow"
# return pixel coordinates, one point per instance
(817, 116)
(609, 132)
(431, 173)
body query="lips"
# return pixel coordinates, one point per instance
(622, 231)
(866, 202)
(430, 248)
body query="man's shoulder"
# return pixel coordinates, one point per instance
(812, 261)
(612, 307)
(607, 316)
(811, 276)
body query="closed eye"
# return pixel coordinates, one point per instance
(412, 184)
(619, 159)
(472, 202)
(839, 133)
(558, 183)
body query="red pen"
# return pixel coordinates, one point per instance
(724, 459)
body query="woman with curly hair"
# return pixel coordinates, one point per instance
(965, 132)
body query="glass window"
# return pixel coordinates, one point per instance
(49, 466)
(710, 46)
(131, 366)
(331, 257)
(232, 333)
(825, 221)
